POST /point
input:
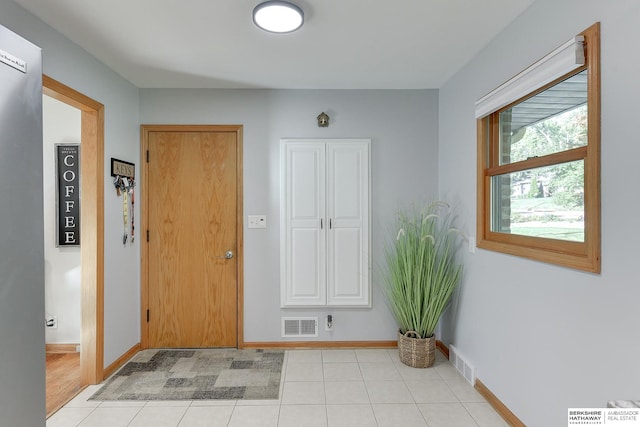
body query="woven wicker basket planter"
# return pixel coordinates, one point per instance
(415, 351)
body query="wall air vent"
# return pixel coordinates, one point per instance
(467, 370)
(299, 326)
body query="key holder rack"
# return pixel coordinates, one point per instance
(123, 174)
(122, 168)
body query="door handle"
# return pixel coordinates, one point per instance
(227, 255)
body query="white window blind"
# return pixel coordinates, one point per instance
(561, 61)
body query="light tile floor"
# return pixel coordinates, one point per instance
(324, 388)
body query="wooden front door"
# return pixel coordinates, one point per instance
(192, 199)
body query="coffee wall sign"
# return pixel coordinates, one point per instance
(68, 194)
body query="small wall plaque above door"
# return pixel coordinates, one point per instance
(13, 61)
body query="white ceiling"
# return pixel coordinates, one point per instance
(344, 44)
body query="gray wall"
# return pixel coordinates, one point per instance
(546, 338)
(403, 126)
(21, 237)
(69, 64)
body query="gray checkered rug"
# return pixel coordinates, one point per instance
(199, 374)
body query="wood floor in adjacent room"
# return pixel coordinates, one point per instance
(63, 379)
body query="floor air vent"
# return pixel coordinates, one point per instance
(299, 326)
(462, 365)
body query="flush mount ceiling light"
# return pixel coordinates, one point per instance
(278, 16)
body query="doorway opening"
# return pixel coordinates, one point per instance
(91, 228)
(61, 133)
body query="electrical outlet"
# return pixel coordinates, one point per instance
(328, 324)
(51, 322)
(257, 221)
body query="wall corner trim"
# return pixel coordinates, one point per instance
(500, 407)
(120, 361)
(321, 344)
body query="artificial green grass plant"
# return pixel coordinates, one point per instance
(421, 267)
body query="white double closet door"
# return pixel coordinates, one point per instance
(325, 255)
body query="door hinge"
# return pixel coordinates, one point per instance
(329, 223)
(147, 316)
(147, 156)
(147, 235)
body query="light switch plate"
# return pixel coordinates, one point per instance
(257, 221)
(472, 244)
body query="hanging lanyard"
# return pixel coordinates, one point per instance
(132, 211)
(125, 211)
(124, 186)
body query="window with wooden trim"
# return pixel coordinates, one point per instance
(539, 159)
